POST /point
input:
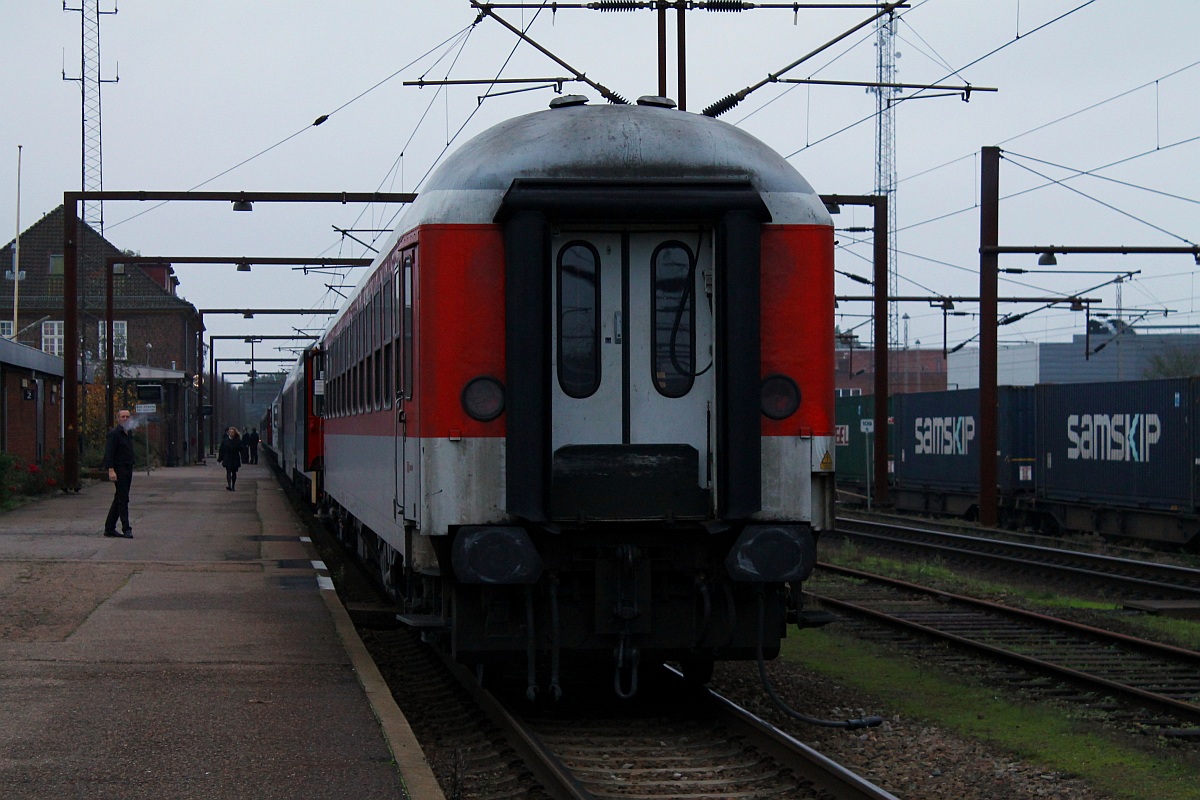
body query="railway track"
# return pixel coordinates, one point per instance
(1133, 577)
(1149, 675)
(678, 741)
(690, 744)
(682, 742)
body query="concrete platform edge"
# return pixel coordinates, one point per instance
(418, 777)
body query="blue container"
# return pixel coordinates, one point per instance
(1124, 443)
(937, 440)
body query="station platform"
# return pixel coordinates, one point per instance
(199, 659)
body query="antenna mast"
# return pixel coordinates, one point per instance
(885, 159)
(92, 213)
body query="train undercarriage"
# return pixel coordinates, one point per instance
(631, 595)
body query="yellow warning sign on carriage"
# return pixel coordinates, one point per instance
(827, 462)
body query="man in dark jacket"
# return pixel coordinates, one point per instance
(252, 440)
(118, 458)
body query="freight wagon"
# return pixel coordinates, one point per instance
(1119, 459)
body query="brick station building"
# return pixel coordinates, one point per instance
(156, 335)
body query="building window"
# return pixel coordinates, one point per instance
(52, 337)
(847, 392)
(120, 340)
(56, 264)
(6, 328)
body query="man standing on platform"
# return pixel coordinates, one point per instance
(118, 458)
(252, 440)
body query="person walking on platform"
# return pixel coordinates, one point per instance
(252, 440)
(230, 457)
(118, 458)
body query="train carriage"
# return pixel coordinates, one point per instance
(582, 404)
(292, 427)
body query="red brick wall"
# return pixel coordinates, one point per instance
(20, 415)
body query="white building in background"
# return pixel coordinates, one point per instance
(1112, 353)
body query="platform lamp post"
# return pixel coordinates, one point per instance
(242, 201)
(990, 250)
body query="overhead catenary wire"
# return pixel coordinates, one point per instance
(968, 65)
(1109, 206)
(1093, 174)
(320, 120)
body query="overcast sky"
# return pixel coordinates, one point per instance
(221, 95)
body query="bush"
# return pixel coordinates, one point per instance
(18, 478)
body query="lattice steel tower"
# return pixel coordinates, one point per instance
(90, 81)
(885, 155)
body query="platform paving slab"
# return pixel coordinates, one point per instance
(197, 660)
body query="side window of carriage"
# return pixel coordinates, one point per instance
(673, 335)
(578, 286)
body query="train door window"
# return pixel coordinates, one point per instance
(400, 331)
(388, 318)
(341, 379)
(360, 340)
(673, 334)
(409, 265)
(345, 371)
(377, 347)
(356, 368)
(369, 342)
(578, 319)
(377, 379)
(335, 369)
(318, 389)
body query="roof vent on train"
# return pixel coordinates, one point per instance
(656, 101)
(568, 100)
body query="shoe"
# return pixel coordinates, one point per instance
(111, 533)
(126, 535)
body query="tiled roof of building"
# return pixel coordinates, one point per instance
(42, 291)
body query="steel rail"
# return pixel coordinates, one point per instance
(549, 771)
(816, 767)
(1186, 710)
(1109, 569)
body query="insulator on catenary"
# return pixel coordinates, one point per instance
(617, 5)
(725, 5)
(721, 106)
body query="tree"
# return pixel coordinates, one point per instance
(1174, 362)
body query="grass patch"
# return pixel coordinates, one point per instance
(1180, 632)
(1184, 632)
(1037, 734)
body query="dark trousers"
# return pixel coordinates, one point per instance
(254, 454)
(120, 503)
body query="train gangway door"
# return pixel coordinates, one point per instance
(633, 339)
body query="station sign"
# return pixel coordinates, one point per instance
(145, 408)
(149, 392)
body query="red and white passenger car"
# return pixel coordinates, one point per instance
(582, 404)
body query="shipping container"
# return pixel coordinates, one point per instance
(938, 440)
(1125, 443)
(855, 448)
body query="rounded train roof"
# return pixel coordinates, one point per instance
(610, 142)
